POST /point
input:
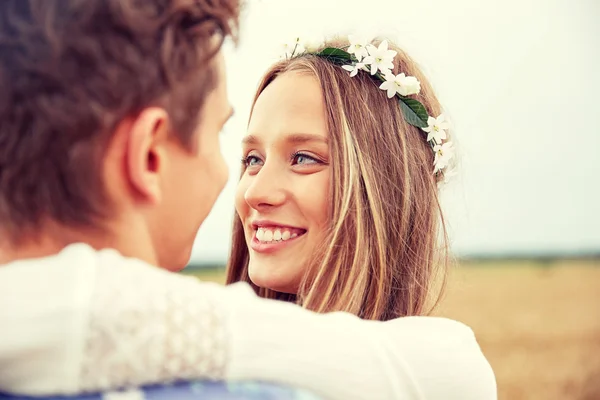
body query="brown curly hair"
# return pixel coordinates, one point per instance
(71, 70)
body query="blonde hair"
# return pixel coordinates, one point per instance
(383, 250)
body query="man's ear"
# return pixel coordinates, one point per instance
(145, 152)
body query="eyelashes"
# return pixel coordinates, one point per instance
(246, 160)
(301, 155)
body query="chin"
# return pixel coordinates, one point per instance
(176, 261)
(176, 267)
(275, 281)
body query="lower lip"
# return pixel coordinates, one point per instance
(271, 247)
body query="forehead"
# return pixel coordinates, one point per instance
(292, 103)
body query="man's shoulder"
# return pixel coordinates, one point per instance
(76, 268)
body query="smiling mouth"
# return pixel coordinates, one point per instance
(268, 235)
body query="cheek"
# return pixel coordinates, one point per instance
(222, 172)
(210, 160)
(316, 201)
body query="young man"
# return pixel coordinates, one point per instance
(110, 112)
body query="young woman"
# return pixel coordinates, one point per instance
(338, 199)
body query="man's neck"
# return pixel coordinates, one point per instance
(53, 238)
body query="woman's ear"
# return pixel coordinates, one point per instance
(144, 153)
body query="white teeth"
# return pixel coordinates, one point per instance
(267, 235)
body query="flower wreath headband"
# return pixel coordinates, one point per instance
(361, 55)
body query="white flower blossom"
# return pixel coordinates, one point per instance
(436, 129)
(293, 48)
(449, 173)
(380, 58)
(358, 46)
(312, 46)
(409, 85)
(353, 69)
(402, 84)
(443, 155)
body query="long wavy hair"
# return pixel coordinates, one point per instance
(387, 242)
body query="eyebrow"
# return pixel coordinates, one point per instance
(296, 138)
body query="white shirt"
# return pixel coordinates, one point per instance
(86, 320)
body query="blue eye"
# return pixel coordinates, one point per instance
(251, 161)
(303, 159)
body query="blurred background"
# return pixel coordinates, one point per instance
(519, 80)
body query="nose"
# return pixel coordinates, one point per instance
(266, 189)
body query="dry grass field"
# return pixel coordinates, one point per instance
(538, 324)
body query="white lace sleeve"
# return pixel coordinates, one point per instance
(147, 326)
